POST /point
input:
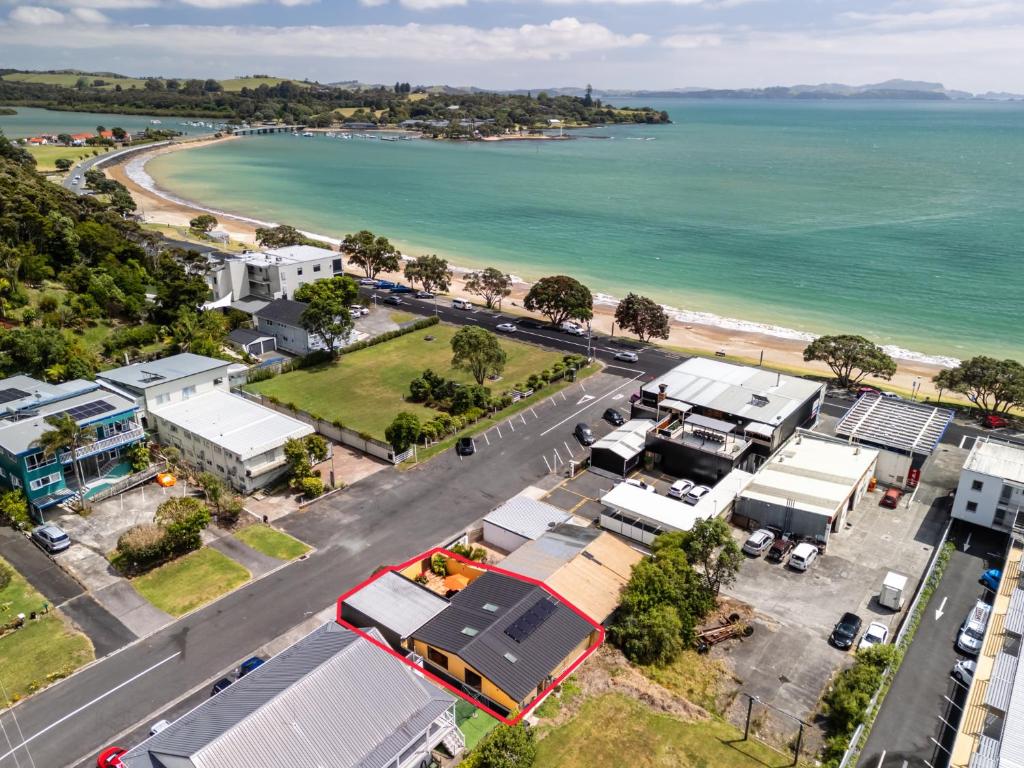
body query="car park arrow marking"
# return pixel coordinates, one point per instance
(940, 610)
(967, 542)
(584, 399)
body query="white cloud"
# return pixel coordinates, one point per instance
(426, 5)
(107, 5)
(89, 16)
(684, 41)
(35, 15)
(956, 15)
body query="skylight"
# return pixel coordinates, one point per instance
(490, 607)
(470, 631)
(511, 658)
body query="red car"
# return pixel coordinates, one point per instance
(891, 498)
(868, 390)
(110, 757)
(992, 421)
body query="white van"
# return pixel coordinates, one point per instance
(972, 631)
(461, 304)
(803, 556)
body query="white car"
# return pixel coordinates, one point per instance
(506, 328)
(74, 182)
(876, 634)
(963, 671)
(696, 494)
(759, 542)
(367, 281)
(573, 329)
(680, 488)
(629, 357)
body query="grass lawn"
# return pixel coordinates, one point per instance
(272, 542)
(191, 581)
(614, 731)
(68, 80)
(400, 317)
(693, 676)
(47, 155)
(43, 650)
(473, 722)
(364, 390)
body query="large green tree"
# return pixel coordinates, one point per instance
(478, 352)
(430, 271)
(203, 223)
(643, 317)
(993, 385)
(851, 358)
(279, 237)
(403, 431)
(65, 434)
(326, 315)
(372, 253)
(491, 284)
(710, 548)
(507, 746)
(560, 298)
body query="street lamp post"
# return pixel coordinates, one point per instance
(588, 341)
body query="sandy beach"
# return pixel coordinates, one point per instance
(745, 346)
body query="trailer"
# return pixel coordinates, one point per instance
(732, 627)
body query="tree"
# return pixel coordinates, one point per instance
(213, 488)
(491, 284)
(560, 298)
(477, 351)
(709, 547)
(63, 164)
(14, 510)
(851, 358)
(65, 434)
(177, 288)
(993, 385)
(122, 202)
(340, 286)
(203, 223)
(279, 237)
(302, 453)
(65, 139)
(119, 133)
(326, 315)
(183, 519)
(507, 746)
(403, 431)
(652, 636)
(374, 254)
(643, 317)
(430, 271)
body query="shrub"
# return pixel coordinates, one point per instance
(183, 519)
(403, 431)
(439, 564)
(532, 381)
(311, 487)
(230, 510)
(545, 375)
(473, 414)
(507, 746)
(6, 574)
(142, 544)
(419, 391)
(14, 510)
(421, 578)
(428, 432)
(138, 456)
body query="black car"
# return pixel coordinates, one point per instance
(845, 632)
(614, 417)
(396, 300)
(534, 324)
(780, 550)
(220, 685)
(466, 446)
(584, 434)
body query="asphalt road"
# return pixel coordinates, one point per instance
(908, 729)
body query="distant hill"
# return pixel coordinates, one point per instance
(69, 78)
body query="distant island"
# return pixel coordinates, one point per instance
(8, 111)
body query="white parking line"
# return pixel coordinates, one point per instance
(499, 433)
(591, 404)
(567, 448)
(558, 457)
(546, 463)
(523, 417)
(534, 413)
(510, 425)
(487, 438)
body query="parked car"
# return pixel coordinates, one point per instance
(158, 726)
(461, 304)
(877, 633)
(758, 542)
(803, 556)
(680, 488)
(891, 395)
(74, 182)
(466, 446)
(696, 494)
(400, 289)
(963, 671)
(892, 497)
(573, 329)
(506, 327)
(780, 550)
(386, 285)
(367, 281)
(845, 631)
(354, 313)
(584, 434)
(641, 484)
(612, 416)
(424, 295)
(628, 357)
(51, 538)
(972, 631)
(393, 300)
(990, 579)
(994, 421)
(249, 665)
(220, 685)
(110, 757)
(361, 309)
(868, 390)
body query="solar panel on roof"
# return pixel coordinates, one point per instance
(87, 410)
(520, 629)
(7, 395)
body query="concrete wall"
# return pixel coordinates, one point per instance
(986, 498)
(502, 538)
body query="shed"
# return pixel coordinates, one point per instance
(619, 452)
(519, 520)
(252, 342)
(394, 605)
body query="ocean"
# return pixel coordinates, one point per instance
(901, 221)
(30, 121)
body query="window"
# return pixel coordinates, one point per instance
(977, 485)
(187, 392)
(336, 265)
(470, 631)
(316, 267)
(39, 459)
(473, 680)
(490, 607)
(436, 657)
(299, 271)
(42, 482)
(161, 399)
(972, 506)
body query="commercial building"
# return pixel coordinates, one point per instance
(991, 488)
(808, 486)
(238, 440)
(519, 520)
(620, 451)
(26, 403)
(712, 417)
(332, 699)
(905, 433)
(272, 274)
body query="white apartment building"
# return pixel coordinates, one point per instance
(272, 274)
(991, 489)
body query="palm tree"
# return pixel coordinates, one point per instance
(67, 435)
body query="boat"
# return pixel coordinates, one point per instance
(389, 138)
(154, 122)
(307, 135)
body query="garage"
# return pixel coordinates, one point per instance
(252, 342)
(620, 452)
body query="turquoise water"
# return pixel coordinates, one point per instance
(900, 221)
(31, 121)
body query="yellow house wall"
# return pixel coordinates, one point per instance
(456, 567)
(457, 669)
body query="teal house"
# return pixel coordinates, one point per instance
(47, 481)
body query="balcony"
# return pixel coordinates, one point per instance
(106, 444)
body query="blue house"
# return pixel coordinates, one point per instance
(25, 403)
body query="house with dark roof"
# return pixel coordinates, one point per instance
(332, 699)
(503, 640)
(252, 342)
(282, 319)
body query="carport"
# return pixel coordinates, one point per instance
(618, 453)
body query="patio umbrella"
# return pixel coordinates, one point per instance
(456, 582)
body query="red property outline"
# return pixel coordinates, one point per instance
(443, 683)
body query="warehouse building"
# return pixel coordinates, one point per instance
(620, 452)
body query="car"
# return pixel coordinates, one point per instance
(51, 538)
(249, 665)
(74, 182)
(803, 556)
(891, 499)
(354, 313)
(994, 421)
(461, 304)
(891, 395)
(110, 757)
(466, 446)
(400, 289)
(584, 434)
(845, 631)
(963, 671)
(367, 281)
(535, 325)
(638, 483)
(612, 416)
(628, 357)
(696, 494)
(220, 685)
(506, 327)
(868, 390)
(972, 631)
(386, 285)
(360, 308)
(990, 579)
(680, 488)
(158, 726)
(424, 295)
(78, 177)
(780, 549)
(877, 633)
(758, 542)
(393, 300)
(573, 329)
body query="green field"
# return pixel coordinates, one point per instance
(364, 390)
(47, 155)
(43, 650)
(614, 731)
(238, 83)
(191, 581)
(69, 80)
(272, 542)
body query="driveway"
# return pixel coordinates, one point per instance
(38, 568)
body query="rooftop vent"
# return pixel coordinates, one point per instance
(758, 400)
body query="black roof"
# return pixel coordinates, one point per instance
(245, 336)
(283, 311)
(547, 632)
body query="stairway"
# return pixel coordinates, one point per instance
(454, 741)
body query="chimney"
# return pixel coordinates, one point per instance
(661, 391)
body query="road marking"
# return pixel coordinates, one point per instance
(583, 387)
(534, 413)
(568, 450)
(523, 417)
(85, 706)
(623, 368)
(967, 542)
(940, 610)
(546, 463)
(881, 758)
(511, 425)
(499, 433)
(588, 405)
(618, 396)
(563, 395)
(584, 399)
(558, 457)
(487, 438)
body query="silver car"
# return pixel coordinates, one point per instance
(51, 538)
(759, 542)
(629, 357)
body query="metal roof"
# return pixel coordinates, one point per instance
(142, 376)
(283, 311)
(397, 603)
(890, 422)
(718, 425)
(1000, 684)
(332, 699)
(996, 459)
(19, 434)
(536, 656)
(628, 440)
(245, 336)
(1014, 621)
(540, 558)
(526, 517)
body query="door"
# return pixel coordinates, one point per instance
(473, 680)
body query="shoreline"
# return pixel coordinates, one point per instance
(690, 330)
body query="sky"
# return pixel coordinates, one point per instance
(974, 45)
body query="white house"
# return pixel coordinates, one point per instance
(991, 488)
(272, 274)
